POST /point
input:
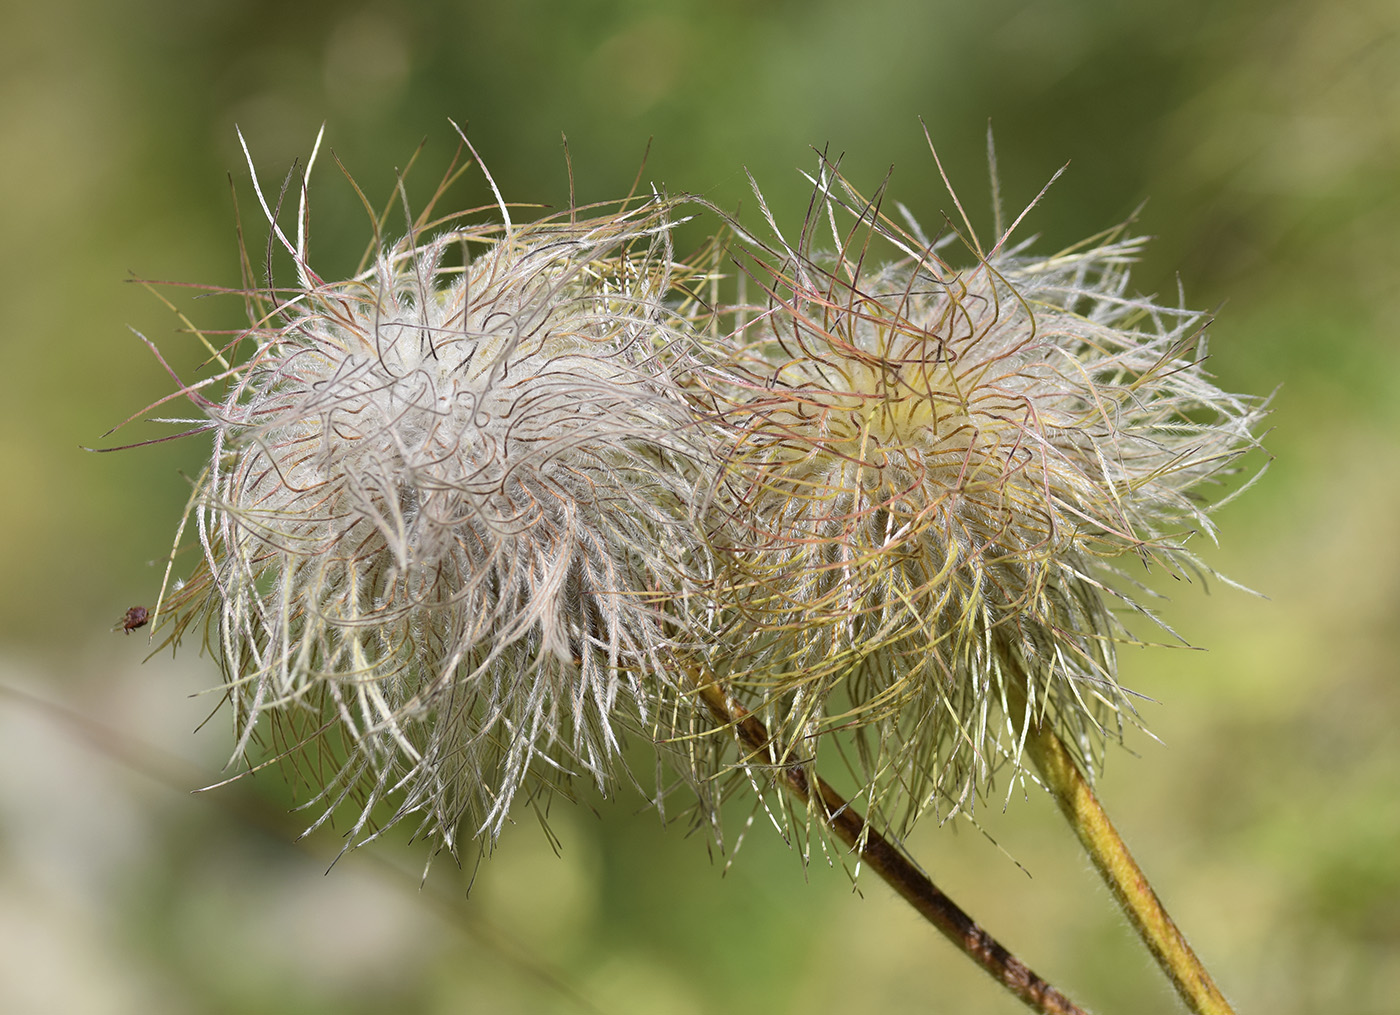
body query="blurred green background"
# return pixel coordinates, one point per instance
(1265, 138)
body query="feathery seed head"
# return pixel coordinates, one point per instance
(934, 469)
(444, 509)
(465, 526)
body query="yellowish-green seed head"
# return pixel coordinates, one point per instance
(936, 475)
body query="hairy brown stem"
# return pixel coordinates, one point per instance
(886, 860)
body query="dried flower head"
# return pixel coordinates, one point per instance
(937, 471)
(444, 510)
(479, 511)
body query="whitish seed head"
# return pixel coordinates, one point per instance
(445, 511)
(934, 472)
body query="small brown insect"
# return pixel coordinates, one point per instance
(135, 617)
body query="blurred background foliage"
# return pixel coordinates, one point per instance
(1265, 139)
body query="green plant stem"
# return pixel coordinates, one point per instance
(883, 857)
(1121, 873)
